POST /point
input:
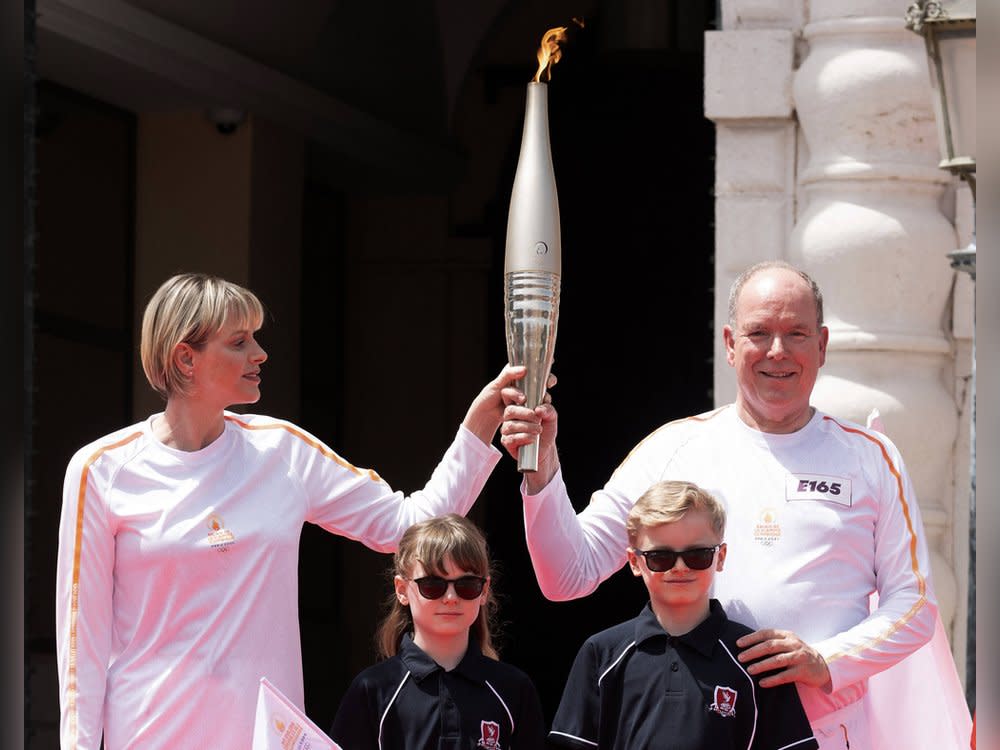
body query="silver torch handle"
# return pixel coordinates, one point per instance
(533, 261)
(531, 303)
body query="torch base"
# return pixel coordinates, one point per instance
(527, 457)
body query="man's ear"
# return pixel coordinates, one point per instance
(824, 338)
(730, 341)
(720, 561)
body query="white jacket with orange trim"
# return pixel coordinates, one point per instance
(177, 573)
(816, 521)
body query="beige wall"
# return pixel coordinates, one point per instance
(225, 204)
(275, 260)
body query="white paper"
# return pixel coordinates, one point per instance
(280, 725)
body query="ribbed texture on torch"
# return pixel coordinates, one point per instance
(533, 261)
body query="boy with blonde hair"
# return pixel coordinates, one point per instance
(669, 678)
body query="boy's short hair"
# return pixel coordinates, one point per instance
(668, 501)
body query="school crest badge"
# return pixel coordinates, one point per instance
(725, 701)
(489, 735)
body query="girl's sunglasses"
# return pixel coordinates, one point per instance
(434, 587)
(662, 560)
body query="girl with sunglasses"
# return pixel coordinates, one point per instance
(440, 684)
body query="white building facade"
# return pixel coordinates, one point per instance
(826, 156)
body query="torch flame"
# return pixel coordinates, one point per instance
(549, 51)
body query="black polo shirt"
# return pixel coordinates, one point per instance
(634, 686)
(410, 702)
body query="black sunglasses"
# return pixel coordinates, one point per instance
(434, 587)
(662, 560)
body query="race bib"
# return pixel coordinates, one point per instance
(818, 487)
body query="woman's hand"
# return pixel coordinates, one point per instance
(487, 409)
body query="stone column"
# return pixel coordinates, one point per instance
(871, 231)
(748, 94)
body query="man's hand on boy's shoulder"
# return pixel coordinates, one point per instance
(771, 650)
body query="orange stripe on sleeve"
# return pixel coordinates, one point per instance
(914, 563)
(697, 418)
(72, 687)
(310, 442)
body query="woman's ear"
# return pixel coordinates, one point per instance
(184, 358)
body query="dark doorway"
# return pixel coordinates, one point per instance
(633, 156)
(81, 374)
(632, 153)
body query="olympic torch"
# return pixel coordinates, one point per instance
(533, 259)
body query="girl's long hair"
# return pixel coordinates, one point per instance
(432, 543)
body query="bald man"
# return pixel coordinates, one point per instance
(821, 512)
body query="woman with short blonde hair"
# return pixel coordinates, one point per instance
(178, 544)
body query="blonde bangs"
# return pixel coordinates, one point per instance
(222, 303)
(245, 309)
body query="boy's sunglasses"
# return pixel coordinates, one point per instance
(662, 560)
(434, 587)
